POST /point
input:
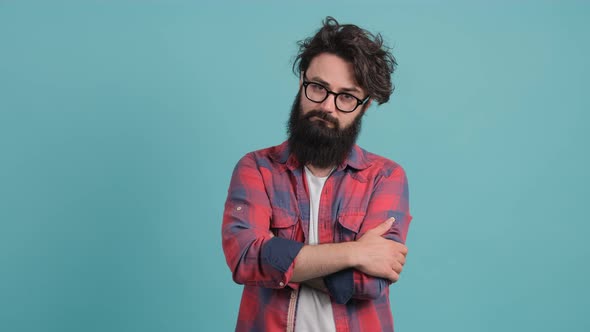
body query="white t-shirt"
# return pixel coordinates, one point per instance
(314, 309)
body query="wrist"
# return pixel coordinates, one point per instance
(353, 254)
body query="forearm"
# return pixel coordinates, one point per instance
(315, 261)
(350, 283)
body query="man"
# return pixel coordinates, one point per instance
(315, 227)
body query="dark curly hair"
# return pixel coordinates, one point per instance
(372, 60)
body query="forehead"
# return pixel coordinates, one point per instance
(334, 70)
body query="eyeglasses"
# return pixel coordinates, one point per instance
(345, 102)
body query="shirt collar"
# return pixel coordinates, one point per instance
(357, 158)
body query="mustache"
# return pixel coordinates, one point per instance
(321, 115)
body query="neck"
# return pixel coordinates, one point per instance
(320, 172)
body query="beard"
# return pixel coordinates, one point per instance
(313, 142)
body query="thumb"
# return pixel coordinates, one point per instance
(384, 226)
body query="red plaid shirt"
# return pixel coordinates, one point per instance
(268, 193)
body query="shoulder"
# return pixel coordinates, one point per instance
(264, 157)
(380, 166)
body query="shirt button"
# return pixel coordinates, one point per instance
(281, 284)
(239, 208)
(293, 295)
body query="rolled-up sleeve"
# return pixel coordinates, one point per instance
(252, 254)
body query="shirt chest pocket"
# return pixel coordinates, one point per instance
(349, 225)
(283, 224)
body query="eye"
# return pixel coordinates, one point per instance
(316, 87)
(347, 98)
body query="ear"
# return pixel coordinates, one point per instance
(367, 104)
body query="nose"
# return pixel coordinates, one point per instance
(329, 104)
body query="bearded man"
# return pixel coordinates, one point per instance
(315, 227)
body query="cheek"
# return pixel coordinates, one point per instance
(307, 106)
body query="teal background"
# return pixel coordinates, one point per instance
(121, 121)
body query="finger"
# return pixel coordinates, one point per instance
(393, 277)
(401, 260)
(384, 227)
(404, 251)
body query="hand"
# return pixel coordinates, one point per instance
(378, 256)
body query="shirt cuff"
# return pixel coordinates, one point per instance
(280, 253)
(340, 285)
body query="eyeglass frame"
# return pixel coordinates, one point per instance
(305, 83)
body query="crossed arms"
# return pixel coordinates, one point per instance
(359, 269)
